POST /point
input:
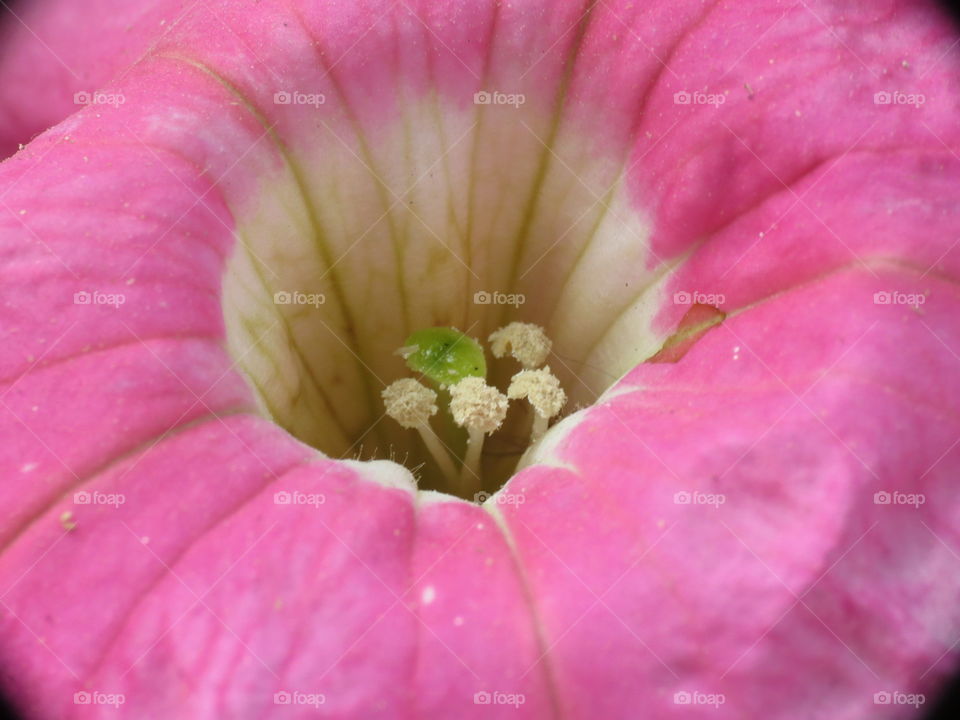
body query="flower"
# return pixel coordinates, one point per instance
(203, 284)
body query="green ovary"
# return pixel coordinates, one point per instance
(444, 355)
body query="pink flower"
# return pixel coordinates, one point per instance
(207, 267)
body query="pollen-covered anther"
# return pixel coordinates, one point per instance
(526, 342)
(542, 390)
(481, 409)
(477, 406)
(412, 404)
(409, 402)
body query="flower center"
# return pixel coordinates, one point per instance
(467, 218)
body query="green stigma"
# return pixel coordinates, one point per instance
(445, 355)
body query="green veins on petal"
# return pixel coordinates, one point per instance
(444, 355)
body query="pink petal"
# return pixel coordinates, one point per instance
(55, 52)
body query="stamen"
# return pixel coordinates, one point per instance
(526, 342)
(451, 362)
(412, 404)
(542, 389)
(480, 409)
